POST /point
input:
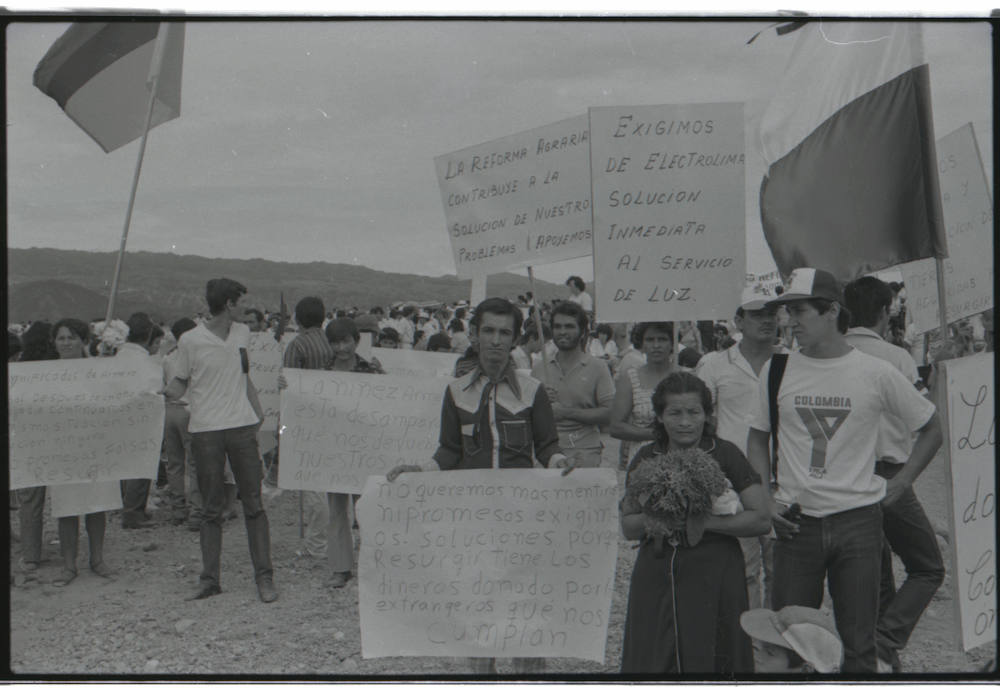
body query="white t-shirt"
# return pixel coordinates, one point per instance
(217, 384)
(829, 411)
(730, 376)
(584, 300)
(894, 440)
(609, 349)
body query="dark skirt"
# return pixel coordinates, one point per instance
(688, 621)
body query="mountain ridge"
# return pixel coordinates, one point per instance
(170, 286)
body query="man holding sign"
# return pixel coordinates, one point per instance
(493, 418)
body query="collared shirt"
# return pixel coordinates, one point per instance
(894, 441)
(132, 350)
(587, 385)
(733, 383)
(487, 425)
(310, 350)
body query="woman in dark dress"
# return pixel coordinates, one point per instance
(685, 601)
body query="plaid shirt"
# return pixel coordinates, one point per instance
(487, 425)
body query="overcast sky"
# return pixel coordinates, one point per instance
(305, 141)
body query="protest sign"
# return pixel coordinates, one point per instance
(266, 356)
(968, 216)
(85, 420)
(488, 563)
(340, 427)
(669, 237)
(971, 451)
(519, 200)
(405, 362)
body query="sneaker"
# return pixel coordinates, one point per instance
(884, 667)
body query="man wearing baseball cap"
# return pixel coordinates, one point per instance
(795, 639)
(827, 407)
(732, 377)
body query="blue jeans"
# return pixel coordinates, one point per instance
(846, 550)
(909, 534)
(210, 450)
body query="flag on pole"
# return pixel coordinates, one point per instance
(852, 184)
(100, 74)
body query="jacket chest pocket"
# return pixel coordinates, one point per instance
(514, 434)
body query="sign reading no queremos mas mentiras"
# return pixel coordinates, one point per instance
(669, 225)
(488, 563)
(86, 420)
(520, 200)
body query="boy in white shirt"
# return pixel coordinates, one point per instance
(212, 366)
(829, 403)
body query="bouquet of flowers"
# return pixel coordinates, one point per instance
(682, 486)
(110, 335)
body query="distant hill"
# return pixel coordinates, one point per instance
(47, 282)
(52, 300)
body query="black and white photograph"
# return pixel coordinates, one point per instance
(724, 285)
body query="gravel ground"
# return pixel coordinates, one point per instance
(140, 624)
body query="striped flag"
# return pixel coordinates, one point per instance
(100, 74)
(852, 186)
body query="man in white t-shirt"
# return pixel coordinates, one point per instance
(829, 403)
(212, 366)
(579, 294)
(732, 377)
(907, 530)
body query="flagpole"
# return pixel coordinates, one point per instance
(538, 326)
(942, 310)
(154, 73)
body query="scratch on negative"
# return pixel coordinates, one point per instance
(874, 40)
(629, 42)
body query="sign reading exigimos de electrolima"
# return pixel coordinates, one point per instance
(520, 200)
(668, 187)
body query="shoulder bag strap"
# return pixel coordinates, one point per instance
(777, 371)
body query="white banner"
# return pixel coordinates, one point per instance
(405, 362)
(266, 357)
(968, 216)
(520, 200)
(669, 235)
(86, 420)
(488, 563)
(340, 427)
(971, 450)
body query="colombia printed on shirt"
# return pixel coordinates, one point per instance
(822, 416)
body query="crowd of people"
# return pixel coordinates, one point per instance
(810, 416)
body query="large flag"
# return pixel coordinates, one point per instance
(99, 73)
(852, 186)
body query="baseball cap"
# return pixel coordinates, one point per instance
(809, 632)
(755, 297)
(367, 323)
(423, 315)
(806, 282)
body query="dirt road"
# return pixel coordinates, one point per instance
(141, 623)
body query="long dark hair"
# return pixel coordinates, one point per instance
(675, 384)
(38, 343)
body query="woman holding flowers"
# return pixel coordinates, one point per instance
(688, 496)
